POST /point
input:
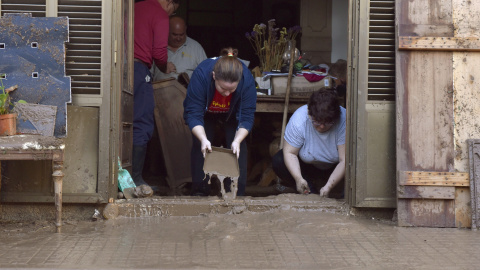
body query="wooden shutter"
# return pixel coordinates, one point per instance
(370, 175)
(36, 7)
(430, 190)
(381, 50)
(83, 63)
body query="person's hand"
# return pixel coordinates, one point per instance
(206, 146)
(325, 190)
(302, 187)
(236, 148)
(170, 68)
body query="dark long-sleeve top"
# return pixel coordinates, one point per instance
(201, 90)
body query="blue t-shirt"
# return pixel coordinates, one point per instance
(318, 149)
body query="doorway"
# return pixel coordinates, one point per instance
(370, 175)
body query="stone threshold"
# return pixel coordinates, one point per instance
(194, 206)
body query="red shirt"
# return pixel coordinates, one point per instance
(220, 104)
(151, 32)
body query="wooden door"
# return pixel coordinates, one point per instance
(431, 187)
(126, 98)
(370, 174)
(316, 23)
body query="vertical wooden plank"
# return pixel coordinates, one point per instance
(443, 114)
(467, 81)
(423, 80)
(463, 210)
(465, 18)
(466, 70)
(429, 111)
(420, 110)
(429, 12)
(425, 18)
(466, 106)
(426, 213)
(424, 102)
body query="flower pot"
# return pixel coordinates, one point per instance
(8, 124)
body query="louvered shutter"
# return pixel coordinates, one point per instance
(83, 63)
(36, 7)
(381, 51)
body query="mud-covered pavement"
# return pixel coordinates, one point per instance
(277, 239)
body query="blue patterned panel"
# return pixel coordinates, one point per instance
(32, 56)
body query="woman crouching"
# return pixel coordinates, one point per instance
(313, 156)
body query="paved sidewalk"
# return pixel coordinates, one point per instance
(277, 239)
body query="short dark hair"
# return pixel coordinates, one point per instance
(323, 105)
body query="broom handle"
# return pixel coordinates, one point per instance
(287, 94)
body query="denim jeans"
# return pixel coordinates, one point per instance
(143, 105)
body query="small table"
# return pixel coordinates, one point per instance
(36, 147)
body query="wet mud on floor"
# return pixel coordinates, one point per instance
(280, 239)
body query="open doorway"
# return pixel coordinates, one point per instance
(224, 23)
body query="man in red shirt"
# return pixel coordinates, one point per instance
(151, 41)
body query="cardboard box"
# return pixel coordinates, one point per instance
(299, 87)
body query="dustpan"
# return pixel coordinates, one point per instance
(221, 161)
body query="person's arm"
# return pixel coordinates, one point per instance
(160, 41)
(170, 68)
(248, 101)
(290, 155)
(195, 102)
(199, 132)
(161, 67)
(337, 174)
(240, 135)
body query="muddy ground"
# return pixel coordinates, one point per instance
(277, 239)
(12, 227)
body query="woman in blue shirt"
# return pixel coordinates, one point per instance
(314, 146)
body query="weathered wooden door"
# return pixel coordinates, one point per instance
(431, 187)
(126, 63)
(370, 175)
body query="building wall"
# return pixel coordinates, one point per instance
(339, 30)
(466, 70)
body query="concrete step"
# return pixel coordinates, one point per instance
(194, 206)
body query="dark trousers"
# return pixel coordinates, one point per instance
(199, 179)
(315, 177)
(143, 105)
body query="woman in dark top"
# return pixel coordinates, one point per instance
(221, 91)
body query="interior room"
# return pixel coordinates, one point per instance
(216, 24)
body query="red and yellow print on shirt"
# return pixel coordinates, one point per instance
(220, 104)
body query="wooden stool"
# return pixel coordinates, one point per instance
(35, 147)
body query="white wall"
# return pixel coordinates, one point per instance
(339, 29)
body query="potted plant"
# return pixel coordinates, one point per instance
(8, 120)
